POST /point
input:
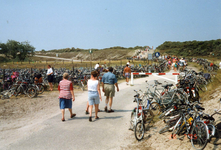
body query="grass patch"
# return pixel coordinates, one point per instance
(211, 87)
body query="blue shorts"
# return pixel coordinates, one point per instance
(65, 103)
(127, 75)
(93, 97)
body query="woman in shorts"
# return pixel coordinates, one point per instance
(94, 94)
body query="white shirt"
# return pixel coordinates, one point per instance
(96, 66)
(92, 85)
(49, 71)
(128, 63)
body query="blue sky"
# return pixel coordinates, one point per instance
(101, 24)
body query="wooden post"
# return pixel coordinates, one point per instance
(91, 62)
(3, 78)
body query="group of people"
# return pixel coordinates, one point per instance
(109, 82)
(175, 63)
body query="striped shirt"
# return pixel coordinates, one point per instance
(65, 87)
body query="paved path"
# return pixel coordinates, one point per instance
(109, 132)
(57, 58)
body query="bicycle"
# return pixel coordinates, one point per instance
(139, 117)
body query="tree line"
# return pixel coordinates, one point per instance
(192, 48)
(14, 49)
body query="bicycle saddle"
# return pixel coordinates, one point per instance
(199, 107)
(208, 118)
(167, 85)
(156, 82)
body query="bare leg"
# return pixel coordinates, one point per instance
(90, 110)
(87, 106)
(107, 100)
(62, 112)
(111, 101)
(96, 110)
(70, 111)
(51, 86)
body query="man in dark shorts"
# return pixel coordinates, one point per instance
(108, 82)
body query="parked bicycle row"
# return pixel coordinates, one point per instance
(179, 108)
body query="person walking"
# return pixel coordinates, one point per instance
(50, 77)
(94, 94)
(96, 66)
(108, 82)
(126, 73)
(66, 95)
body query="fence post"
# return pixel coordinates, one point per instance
(132, 79)
(3, 79)
(176, 77)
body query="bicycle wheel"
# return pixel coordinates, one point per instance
(139, 131)
(31, 92)
(132, 120)
(148, 116)
(41, 89)
(199, 136)
(155, 108)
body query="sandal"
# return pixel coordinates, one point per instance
(105, 108)
(111, 110)
(86, 112)
(90, 119)
(73, 115)
(63, 120)
(97, 117)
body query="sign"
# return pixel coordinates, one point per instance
(157, 54)
(90, 51)
(150, 57)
